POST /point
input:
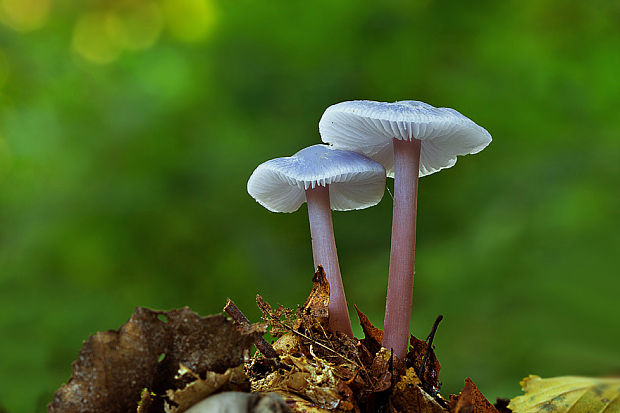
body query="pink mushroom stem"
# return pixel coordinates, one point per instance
(402, 256)
(325, 254)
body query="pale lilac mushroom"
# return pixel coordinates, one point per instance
(410, 139)
(326, 179)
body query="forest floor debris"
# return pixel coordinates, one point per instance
(173, 361)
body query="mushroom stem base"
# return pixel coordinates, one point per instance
(325, 254)
(400, 283)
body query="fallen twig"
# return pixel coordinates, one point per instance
(429, 344)
(262, 344)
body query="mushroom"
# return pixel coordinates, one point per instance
(326, 179)
(410, 139)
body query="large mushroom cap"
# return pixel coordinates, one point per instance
(355, 181)
(368, 127)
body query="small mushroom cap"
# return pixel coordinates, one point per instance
(368, 127)
(355, 181)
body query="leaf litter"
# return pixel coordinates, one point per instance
(176, 361)
(325, 371)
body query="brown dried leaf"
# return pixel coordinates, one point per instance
(182, 399)
(381, 371)
(373, 337)
(470, 400)
(318, 301)
(314, 313)
(211, 343)
(408, 396)
(415, 358)
(288, 344)
(115, 366)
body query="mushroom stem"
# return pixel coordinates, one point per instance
(324, 253)
(400, 283)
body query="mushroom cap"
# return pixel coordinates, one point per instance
(367, 127)
(355, 181)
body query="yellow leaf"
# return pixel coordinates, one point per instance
(568, 394)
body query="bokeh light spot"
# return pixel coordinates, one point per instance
(24, 15)
(189, 20)
(98, 37)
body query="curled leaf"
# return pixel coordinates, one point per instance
(568, 394)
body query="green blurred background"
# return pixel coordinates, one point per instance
(128, 129)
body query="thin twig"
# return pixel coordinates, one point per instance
(431, 335)
(429, 343)
(262, 344)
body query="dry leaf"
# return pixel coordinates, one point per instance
(415, 358)
(568, 394)
(114, 367)
(315, 309)
(288, 343)
(408, 396)
(372, 335)
(470, 400)
(199, 389)
(381, 371)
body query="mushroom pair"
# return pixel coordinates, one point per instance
(410, 139)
